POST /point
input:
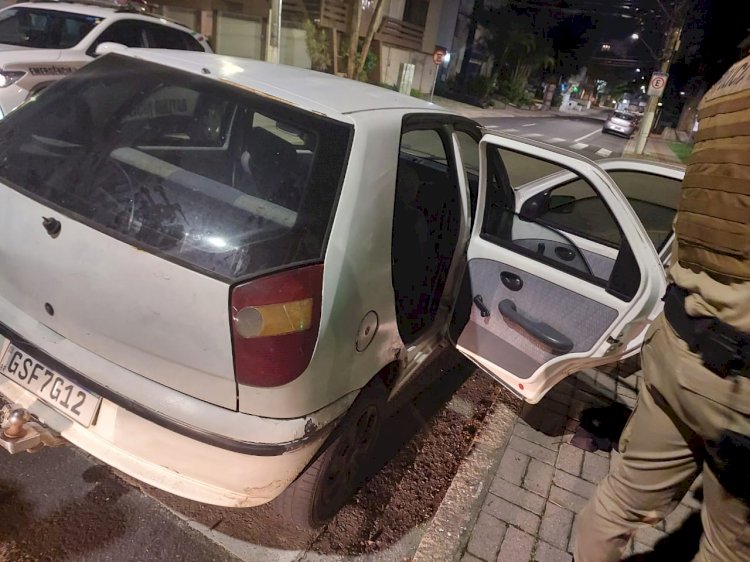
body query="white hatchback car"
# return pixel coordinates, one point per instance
(215, 273)
(41, 42)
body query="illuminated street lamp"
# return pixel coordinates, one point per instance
(636, 37)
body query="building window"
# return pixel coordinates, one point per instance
(415, 12)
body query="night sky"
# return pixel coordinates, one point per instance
(709, 42)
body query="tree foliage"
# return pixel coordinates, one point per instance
(318, 46)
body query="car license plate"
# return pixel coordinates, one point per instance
(55, 390)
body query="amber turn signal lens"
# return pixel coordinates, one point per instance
(274, 319)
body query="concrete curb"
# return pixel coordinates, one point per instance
(447, 534)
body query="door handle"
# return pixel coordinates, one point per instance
(511, 280)
(557, 342)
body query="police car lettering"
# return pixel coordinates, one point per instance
(51, 70)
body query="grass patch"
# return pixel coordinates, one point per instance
(681, 149)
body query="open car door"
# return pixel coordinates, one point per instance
(561, 274)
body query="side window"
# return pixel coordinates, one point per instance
(163, 37)
(523, 169)
(568, 226)
(654, 199)
(577, 209)
(124, 32)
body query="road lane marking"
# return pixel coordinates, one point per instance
(509, 131)
(529, 124)
(531, 135)
(556, 140)
(578, 146)
(603, 152)
(584, 137)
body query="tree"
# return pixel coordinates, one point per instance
(318, 47)
(520, 43)
(357, 52)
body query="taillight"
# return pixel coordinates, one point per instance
(275, 321)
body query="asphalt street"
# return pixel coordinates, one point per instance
(580, 134)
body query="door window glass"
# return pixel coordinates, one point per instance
(577, 209)
(163, 37)
(44, 29)
(128, 33)
(523, 169)
(654, 199)
(569, 227)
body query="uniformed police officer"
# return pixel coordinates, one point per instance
(693, 410)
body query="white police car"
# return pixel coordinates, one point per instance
(40, 42)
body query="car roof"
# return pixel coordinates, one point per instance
(310, 90)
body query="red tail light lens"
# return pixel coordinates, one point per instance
(275, 322)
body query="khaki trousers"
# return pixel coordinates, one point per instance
(680, 405)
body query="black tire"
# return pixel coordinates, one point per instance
(328, 483)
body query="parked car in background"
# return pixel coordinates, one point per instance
(620, 123)
(41, 42)
(220, 292)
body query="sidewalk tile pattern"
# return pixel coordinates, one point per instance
(543, 481)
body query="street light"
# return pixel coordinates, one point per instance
(636, 37)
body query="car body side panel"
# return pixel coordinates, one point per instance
(357, 279)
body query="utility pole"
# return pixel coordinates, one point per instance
(274, 32)
(671, 46)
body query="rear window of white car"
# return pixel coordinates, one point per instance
(194, 170)
(44, 29)
(624, 116)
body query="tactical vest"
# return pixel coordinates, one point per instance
(713, 220)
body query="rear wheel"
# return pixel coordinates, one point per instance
(331, 480)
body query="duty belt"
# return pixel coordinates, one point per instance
(724, 349)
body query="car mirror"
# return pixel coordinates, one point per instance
(544, 202)
(108, 47)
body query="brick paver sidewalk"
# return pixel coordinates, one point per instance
(543, 481)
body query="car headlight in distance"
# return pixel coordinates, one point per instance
(8, 77)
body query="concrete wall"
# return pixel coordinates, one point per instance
(447, 25)
(430, 37)
(424, 69)
(238, 36)
(185, 16)
(395, 9)
(293, 48)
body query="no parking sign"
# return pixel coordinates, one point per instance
(657, 84)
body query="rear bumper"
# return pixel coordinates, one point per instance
(170, 461)
(608, 128)
(165, 438)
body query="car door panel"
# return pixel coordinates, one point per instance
(575, 301)
(576, 317)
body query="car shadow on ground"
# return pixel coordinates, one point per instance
(419, 450)
(57, 535)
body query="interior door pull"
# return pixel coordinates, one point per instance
(545, 333)
(483, 310)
